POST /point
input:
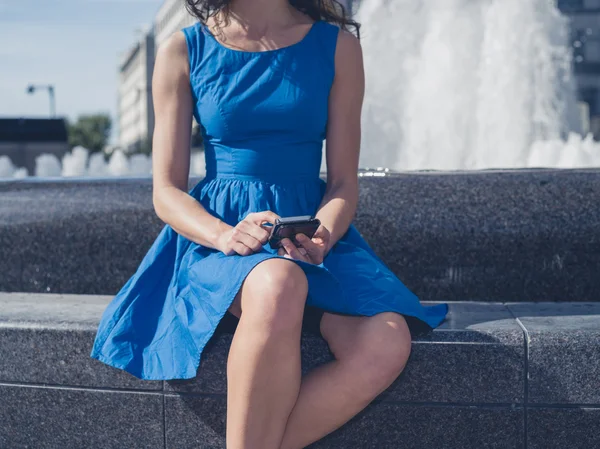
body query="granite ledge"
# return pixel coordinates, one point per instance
(486, 235)
(563, 351)
(482, 345)
(48, 337)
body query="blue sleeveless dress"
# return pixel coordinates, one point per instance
(263, 116)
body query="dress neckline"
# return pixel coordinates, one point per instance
(295, 44)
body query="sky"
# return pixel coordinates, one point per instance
(73, 44)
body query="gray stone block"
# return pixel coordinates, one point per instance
(463, 386)
(67, 232)
(561, 428)
(487, 235)
(64, 311)
(11, 264)
(477, 356)
(195, 422)
(407, 426)
(61, 418)
(47, 339)
(198, 421)
(517, 235)
(563, 351)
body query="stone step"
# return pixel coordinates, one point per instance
(488, 235)
(494, 375)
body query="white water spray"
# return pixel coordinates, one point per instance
(80, 163)
(469, 84)
(451, 84)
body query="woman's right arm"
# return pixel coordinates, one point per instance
(173, 204)
(171, 147)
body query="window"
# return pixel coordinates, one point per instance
(570, 5)
(586, 45)
(578, 5)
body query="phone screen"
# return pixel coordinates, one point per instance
(289, 230)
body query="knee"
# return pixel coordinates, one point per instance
(274, 295)
(380, 353)
(384, 351)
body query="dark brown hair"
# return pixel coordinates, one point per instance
(328, 10)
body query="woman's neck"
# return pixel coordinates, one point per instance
(258, 16)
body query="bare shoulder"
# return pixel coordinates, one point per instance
(348, 52)
(346, 39)
(348, 57)
(348, 44)
(174, 44)
(173, 51)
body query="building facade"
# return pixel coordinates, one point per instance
(171, 17)
(585, 38)
(136, 113)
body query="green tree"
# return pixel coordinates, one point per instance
(90, 131)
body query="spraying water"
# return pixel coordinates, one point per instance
(451, 84)
(469, 84)
(80, 163)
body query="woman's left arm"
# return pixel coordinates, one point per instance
(338, 207)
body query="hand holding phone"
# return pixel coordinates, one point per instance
(303, 238)
(248, 236)
(290, 226)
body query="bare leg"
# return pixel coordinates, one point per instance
(370, 354)
(263, 368)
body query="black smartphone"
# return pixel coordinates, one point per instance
(290, 226)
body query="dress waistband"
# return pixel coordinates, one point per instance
(271, 178)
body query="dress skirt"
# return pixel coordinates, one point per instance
(158, 324)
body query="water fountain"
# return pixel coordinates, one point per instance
(451, 84)
(469, 84)
(80, 163)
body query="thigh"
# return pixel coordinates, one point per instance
(385, 333)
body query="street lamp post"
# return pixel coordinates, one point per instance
(31, 89)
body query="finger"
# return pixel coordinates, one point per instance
(321, 233)
(282, 252)
(241, 249)
(310, 247)
(315, 251)
(260, 217)
(240, 236)
(229, 252)
(292, 250)
(259, 233)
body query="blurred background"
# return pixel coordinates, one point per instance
(451, 84)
